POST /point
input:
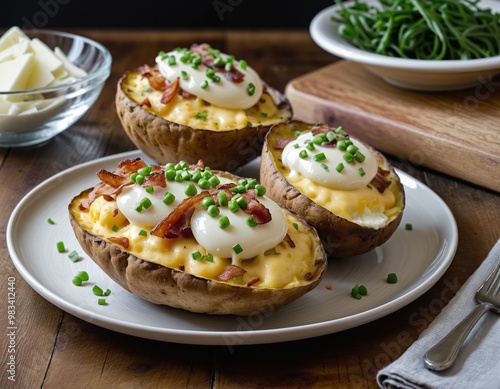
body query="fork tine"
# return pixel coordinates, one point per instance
(492, 285)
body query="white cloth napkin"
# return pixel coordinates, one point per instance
(478, 362)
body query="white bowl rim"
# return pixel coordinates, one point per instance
(105, 65)
(332, 43)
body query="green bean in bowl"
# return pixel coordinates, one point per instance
(421, 29)
(421, 45)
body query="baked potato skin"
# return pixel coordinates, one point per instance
(341, 237)
(165, 141)
(159, 284)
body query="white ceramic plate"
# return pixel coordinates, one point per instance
(426, 75)
(419, 258)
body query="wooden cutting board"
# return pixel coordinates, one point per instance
(457, 133)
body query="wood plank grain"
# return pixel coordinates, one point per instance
(453, 132)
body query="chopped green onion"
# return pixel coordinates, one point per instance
(352, 149)
(233, 206)
(340, 167)
(260, 190)
(324, 166)
(319, 139)
(243, 64)
(303, 154)
(101, 301)
(171, 60)
(251, 221)
(114, 228)
(250, 89)
(348, 157)
(237, 248)
(355, 292)
(107, 292)
(83, 275)
(207, 201)
(408, 226)
(196, 255)
(200, 115)
(224, 222)
(143, 233)
(392, 278)
(50, 221)
(363, 291)
(146, 203)
(168, 198)
(204, 84)
(138, 207)
(222, 197)
(190, 189)
(330, 136)
(361, 171)
(60, 247)
(213, 210)
(296, 226)
(358, 156)
(97, 291)
(310, 146)
(74, 256)
(320, 157)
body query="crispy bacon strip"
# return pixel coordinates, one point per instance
(112, 179)
(230, 272)
(170, 91)
(289, 241)
(155, 179)
(178, 222)
(380, 181)
(130, 165)
(121, 240)
(254, 207)
(146, 102)
(234, 75)
(253, 281)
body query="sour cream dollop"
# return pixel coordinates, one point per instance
(305, 161)
(205, 228)
(210, 83)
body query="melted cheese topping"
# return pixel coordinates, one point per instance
(278, 267)
(197, 113)
(347, 193)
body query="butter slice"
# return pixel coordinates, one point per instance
(15, 73)
(45, 55)
(11, 37)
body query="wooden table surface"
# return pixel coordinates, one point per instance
(53, 349)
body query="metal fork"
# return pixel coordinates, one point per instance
(444, 353)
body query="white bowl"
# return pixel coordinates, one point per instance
(57, 107)
(413, 74)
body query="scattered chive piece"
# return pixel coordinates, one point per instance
(204, 84)
(77, 281)
(224, 222)
(361, 171)
(213, 210)
(200, 115)
(143, 233)
(146, 203)
(339, 167)
(168, 198)
(222, 199)
(60, 247)
(355, 292)
(114, 228)
(207, 201)
(138, 207)
(171, 60)
(324, 166)
(101, 301)
(250, 89)
(243, 64)
(408, 226)
(260, 190)
(320, 157)
(237, 248)
(310, 146)
(184, 75)
(297, 133)
(107, 292)
(303, 154)
(251, 221)
(50, 221)
(296, 226)
(190, 190)
(363, 291)
(330, 136)
(83, 275)
(97, 291)
(196, 255)
(233, 206)
(392, 278)
(73, 256)
(348, 157)
(358, 156)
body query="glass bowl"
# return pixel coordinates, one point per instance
(32, 116)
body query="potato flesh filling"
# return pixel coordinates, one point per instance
(196, 113)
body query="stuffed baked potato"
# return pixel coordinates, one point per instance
(198, 103)
(342, 187)
(196, 239)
